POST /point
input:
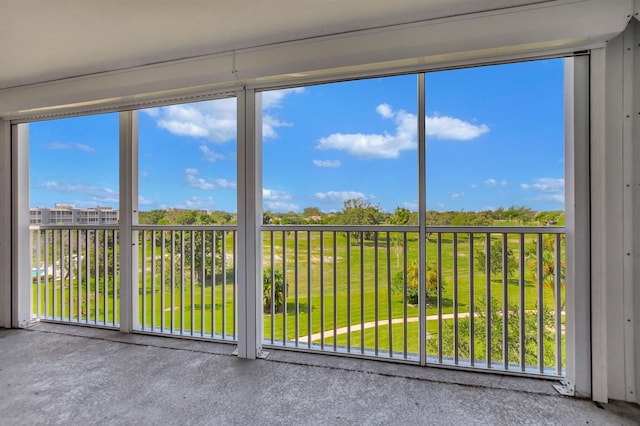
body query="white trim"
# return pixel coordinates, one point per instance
(5, 224)
(128, 218)
(20, 233)
(249, 242)
(599, 271)
(577, 207)
(629, 255)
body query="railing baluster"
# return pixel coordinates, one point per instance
(455, 299)
(375, 291)
(153, 276)
(162, 280)
(558, 303)
(297, 295)
(284, 288)
(47, 276)
(362, 292)
(439, 263)
(224, 284)
(272, 289)
(213, 284)
(404, 300)
(309, 305)
(173, 281)
(105, 287)
(79, 276)
(322, 290)
(96, 256)
(488, 295)
(192, 271)
(335, 291)
(143, 279)
(522, 313)
(348, 291)
(540, 253)
(233, 284)
(182, 282)
(472, 305)
(203, 259)
(389, 290)
(505, 301)
(87, 265)
(38, 261)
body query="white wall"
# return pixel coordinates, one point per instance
(615, 198)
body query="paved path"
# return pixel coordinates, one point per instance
(381, 323)
(371, 324)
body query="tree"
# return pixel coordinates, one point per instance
(530, 337)
(412, 282)
(548, 266)
(495, 263)
(358, 211)
(275, 293)
(400, 216)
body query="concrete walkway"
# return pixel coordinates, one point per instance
(56, 374)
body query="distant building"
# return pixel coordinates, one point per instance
(68, 214)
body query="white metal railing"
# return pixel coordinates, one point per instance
(187, 280)
(493, 294)
(75, 274)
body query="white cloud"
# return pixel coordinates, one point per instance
(210, 155)
(376, 145)
(275, 195)
(97, 194)
(411, 205)
(271, 101)
(451, 128)
(456, 195)
(327, 163)
(143, 201)
(197, 203)
(194, 181)
(273, 98)
(83, 147)
(385, 110)
(281, 206)
(214, 120)
(390, 145)
(492, 182)
(548, 189)
(335, 196)
(60, 146)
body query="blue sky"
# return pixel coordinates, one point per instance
(494, 138)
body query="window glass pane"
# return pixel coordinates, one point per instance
(495, 139)
(329, 147)
(74, 170)
(187, 162)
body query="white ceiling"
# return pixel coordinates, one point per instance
(48, 40)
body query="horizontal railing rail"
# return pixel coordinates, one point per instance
(494, 295)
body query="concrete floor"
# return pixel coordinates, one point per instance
(56, 374)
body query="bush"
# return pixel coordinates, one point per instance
(412, 282)
(278, 290)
